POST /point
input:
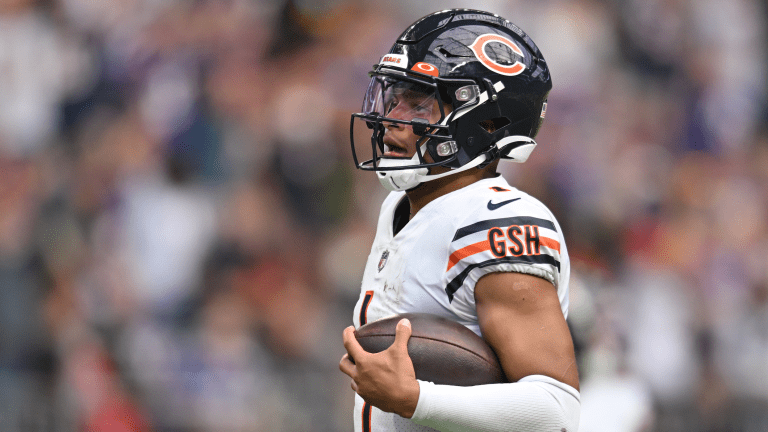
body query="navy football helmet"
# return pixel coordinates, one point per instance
(490, 83)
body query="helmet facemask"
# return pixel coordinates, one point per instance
(416, 102)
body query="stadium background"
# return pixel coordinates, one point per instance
(182, 231)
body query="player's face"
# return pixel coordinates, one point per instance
(407, 102)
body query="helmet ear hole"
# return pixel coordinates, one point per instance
(494, 124)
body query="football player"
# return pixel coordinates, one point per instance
(459, 91)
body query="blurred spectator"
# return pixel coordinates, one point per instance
(39, 65)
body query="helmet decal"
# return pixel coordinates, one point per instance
(426, 68)
(399, 60)
(478, 47)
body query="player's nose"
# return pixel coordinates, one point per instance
(393, 125)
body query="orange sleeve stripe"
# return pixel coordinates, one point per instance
(468, 251)
(550, 243)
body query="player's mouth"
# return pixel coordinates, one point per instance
(393, 150)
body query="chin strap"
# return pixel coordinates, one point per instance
(402, 180)
(479, 160)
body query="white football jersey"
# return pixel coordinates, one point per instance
(433, 263)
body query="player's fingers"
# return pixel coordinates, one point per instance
(402, 334)
(351, 345)
(346, 366)
(347, 358)
(354, 386)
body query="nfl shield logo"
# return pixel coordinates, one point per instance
(383, 260)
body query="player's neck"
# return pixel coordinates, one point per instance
(429, 191)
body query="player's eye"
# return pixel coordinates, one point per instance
(389, 106)
(422, 108)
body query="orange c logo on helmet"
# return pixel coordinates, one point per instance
(478, 47)
(426, 68)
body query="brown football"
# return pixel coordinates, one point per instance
(442, 351)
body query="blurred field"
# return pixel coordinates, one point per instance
(182, 230)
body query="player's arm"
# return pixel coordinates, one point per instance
(520, 318)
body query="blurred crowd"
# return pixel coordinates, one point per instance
(183, 232)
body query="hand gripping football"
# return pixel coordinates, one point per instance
(442, 351)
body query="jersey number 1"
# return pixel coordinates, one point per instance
(364, 319)
(367, 417)
(364, 307)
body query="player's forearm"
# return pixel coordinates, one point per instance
(534, 403)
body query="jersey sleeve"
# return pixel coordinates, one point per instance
(525, 241)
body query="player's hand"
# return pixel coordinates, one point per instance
(385, 380)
